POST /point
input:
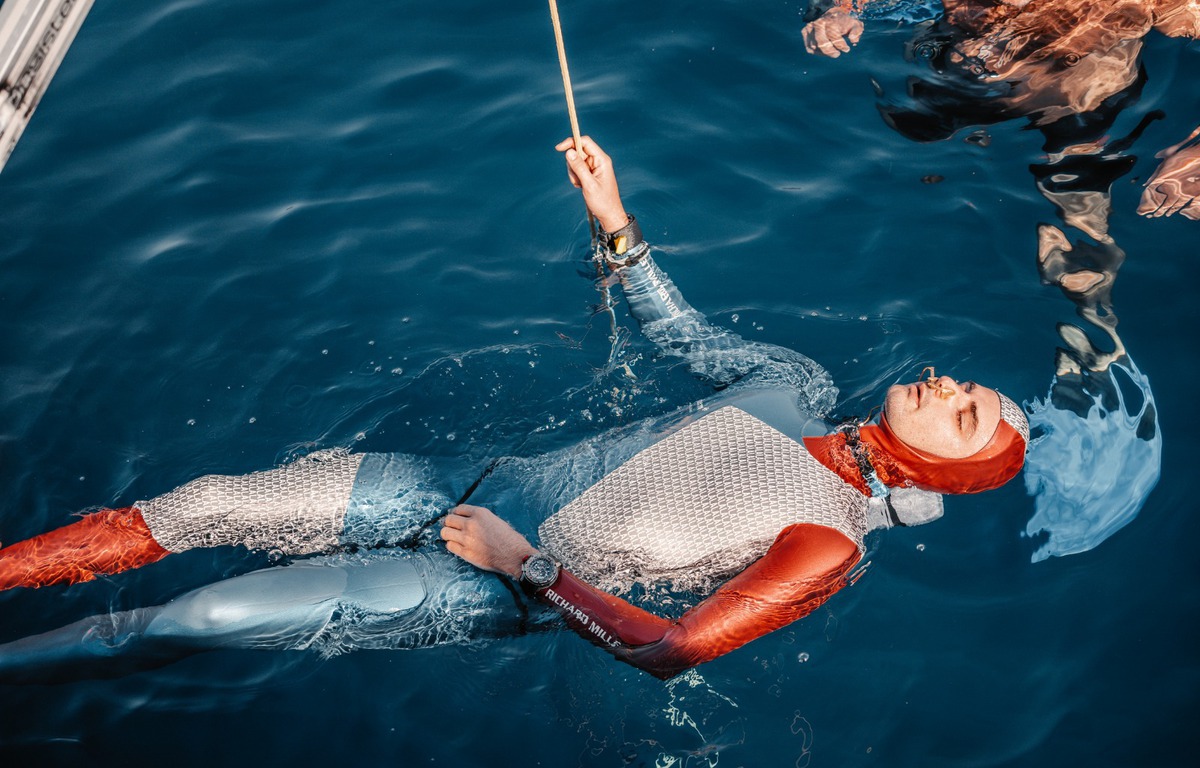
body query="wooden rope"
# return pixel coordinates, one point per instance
(566, 78)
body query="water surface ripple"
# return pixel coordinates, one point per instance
(237, 232)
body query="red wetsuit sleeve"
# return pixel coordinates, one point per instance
(806, 564)
(109, 541)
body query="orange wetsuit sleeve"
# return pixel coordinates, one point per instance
(806, 564)
(109, 541)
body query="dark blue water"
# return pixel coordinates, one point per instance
(234, 232)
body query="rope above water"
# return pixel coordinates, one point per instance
(614, 333)
(566, 78)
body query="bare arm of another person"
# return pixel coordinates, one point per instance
(802, 569)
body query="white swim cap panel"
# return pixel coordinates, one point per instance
(1012, 415)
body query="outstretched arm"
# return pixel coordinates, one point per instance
(805, 565)
(713, 353)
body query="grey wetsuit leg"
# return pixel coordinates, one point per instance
(93, 647)
(333, 605)
(285, 608)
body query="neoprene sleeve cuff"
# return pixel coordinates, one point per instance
(622, 242)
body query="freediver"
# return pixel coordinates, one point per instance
(747, 500)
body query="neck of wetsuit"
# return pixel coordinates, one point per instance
(874, 449)
(854, 454)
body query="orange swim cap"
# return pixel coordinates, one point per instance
(990, 467)
(896, 464)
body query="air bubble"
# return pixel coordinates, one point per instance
(920, 547)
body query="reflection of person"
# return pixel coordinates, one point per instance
(1068, 65)
(1175, 185)
(746, 498)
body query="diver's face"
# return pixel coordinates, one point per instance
(941, 417)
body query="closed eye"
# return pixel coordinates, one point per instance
(968, 420)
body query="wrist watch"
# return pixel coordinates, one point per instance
(539, 571)
(623, 242)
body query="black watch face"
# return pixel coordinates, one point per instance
(540, 571)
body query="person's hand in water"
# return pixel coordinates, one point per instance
(592, 171)
(832, 33)
(485, 541)
(1175, 185)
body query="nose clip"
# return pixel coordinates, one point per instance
(932, 382)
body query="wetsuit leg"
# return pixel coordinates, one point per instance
(105, 542)
(107, 645)
(314, 504)
(332, 605)
(286, 608)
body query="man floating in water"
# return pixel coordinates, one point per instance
(746, 500)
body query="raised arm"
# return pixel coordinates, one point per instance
(805, 565)
(713, 353)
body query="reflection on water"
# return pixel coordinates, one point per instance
(1095, 459)
(1069, 68)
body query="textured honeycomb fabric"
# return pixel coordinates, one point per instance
(1011, 413)
(699, 505)
(296, 509)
